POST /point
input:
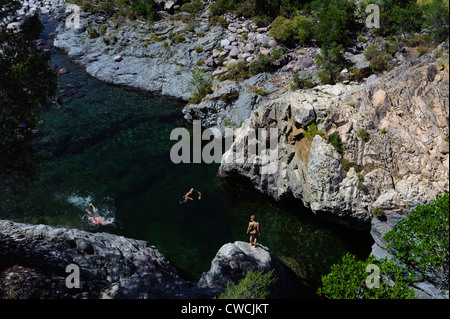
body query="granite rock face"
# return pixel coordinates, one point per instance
(393, 131)
(157, 59)
(33, 261)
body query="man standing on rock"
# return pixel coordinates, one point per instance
(253, 230)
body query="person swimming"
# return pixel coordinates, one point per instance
(95, 216)
(189, 194)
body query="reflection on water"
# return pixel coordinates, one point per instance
(111, 146)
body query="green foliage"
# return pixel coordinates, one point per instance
(347, 280)
(218, 21)
(313, 131)
(437, 20)
(335, 20)
(255, 285)
(237, 72)
(259, 92)
(265, 63)
(446, 138)
(332, 61)
(363, 134)
(421, 240)
(379, 59)
(300, 82)
(378, 211)
(200, 85)
(383, 131)
(335, 140)
(347, 164)
(102, 29)
(179, 38)
(229, 97)
(26, 83)
(291, 31)
(92, 33)
(192, 7)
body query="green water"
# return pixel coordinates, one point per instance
(110, 146)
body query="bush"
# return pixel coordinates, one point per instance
(363, 134)
(346, 165)
(335, 20)
(218, 21)
(192, 7)
(255, 285)
(351, 280)
(179, 38)
(290, 31)
(299, 82)
(313, 131)
(237, 72)
(421, 240)
(378, 212)
(437, 20)
(335, 140)
(200, 85)
(102, 29)
(332, 61)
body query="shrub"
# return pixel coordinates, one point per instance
(192, 7)
(179, 38)
(346, 165)
(218, 21)
(289, 31)
(383, 131)
(335, 19)
(349, 280)
(92, 33)
(422, 50)
(380, 63)
(363, 134)
(332, 61)
(198, 49)
(421, 241)
(237, 72)
(255, 285)
(200, 85)
(313, 131)
(102, 29)
(437, 20)
(299, 82)
(335, 140)
(378, 212)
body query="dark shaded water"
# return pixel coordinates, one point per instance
(110, 146)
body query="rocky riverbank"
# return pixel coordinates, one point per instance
(33, 261)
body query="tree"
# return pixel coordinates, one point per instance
(421, 241)
(332, 62)
(437, 19)
(26, 82)
(255, 285)
(369, 279)
(335, 20)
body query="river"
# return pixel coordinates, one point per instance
(110, 146)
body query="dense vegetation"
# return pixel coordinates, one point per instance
(420, 242)
(26, 83)
(255, 285)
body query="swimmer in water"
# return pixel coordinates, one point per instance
(95, 216)
(188, 194)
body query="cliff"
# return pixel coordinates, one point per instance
(393, 153)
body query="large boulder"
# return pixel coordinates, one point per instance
(234, 260)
